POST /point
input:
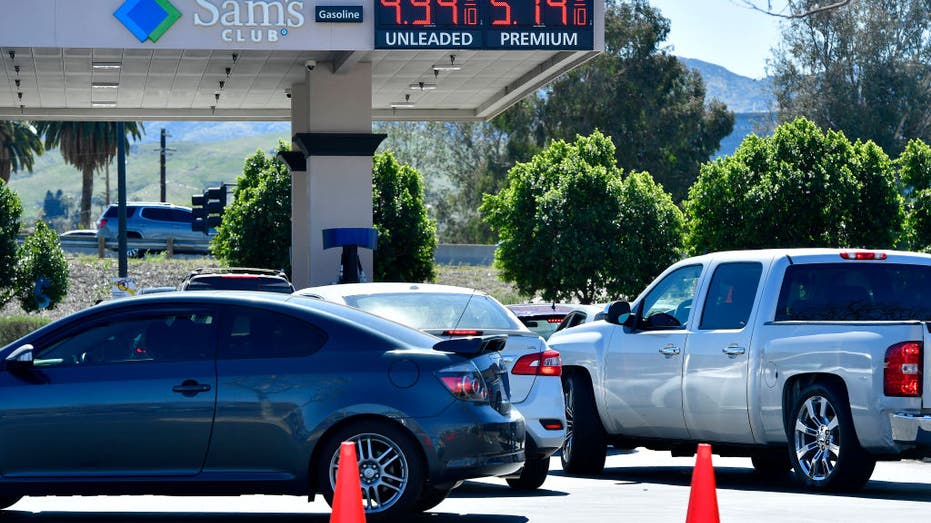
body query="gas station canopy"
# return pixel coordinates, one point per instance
(238, 59)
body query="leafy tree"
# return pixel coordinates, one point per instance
(572, 227)
(19, 145)
(645, 99)
(915, 172)
(862, 68)
(406, 235)
(41, 270)
(10, 211)
(89, 146)
(790, 9)
(256, 226)
(56, 210)
(801, 187)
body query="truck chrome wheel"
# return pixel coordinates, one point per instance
(826, 452)
(817, 438)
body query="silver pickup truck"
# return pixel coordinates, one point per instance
(809, 359)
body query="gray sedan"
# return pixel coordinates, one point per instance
(238, 393)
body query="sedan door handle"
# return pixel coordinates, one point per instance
(670, 351)
(191, 387)
(734, 350)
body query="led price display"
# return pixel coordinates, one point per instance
(484, 24)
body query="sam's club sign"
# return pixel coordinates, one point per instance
(250, 20)
(236, 21)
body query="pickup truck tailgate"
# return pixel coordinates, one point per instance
(926, 369)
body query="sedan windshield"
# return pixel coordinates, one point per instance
(426, 311)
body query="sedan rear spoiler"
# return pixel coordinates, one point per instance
(472, 345)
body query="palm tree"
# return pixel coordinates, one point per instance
(89, 146)
(19, 145)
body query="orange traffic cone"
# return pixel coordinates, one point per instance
(347, 496)
(703, 501)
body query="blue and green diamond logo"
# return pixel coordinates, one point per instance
(147, 19)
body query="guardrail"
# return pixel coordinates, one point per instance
(446, 253)
(170, 246)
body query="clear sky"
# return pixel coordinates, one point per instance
(722, 32)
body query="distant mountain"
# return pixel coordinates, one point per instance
(741, 94)
(752, 102)
(211, 131)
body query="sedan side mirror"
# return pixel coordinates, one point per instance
(20, 358)
(618, 312)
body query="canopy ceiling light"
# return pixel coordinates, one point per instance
(451, 66)
(422, 86)
(407, 103)
(103, 104)
(106, 65)
(105, 85)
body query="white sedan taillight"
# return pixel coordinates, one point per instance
(546, 363)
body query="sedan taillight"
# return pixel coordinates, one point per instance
(546, 363)
(464, 382)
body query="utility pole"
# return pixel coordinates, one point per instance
(161, 156)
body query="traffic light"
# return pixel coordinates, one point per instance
(199, 209)
(216, 203)
(208, 208)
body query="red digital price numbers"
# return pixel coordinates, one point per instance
(493, 13)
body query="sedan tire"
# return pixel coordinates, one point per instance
(391, 468)
(532, 475)
(431, 497)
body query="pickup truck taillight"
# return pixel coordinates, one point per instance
(902, 373)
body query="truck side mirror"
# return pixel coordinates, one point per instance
(618, 312)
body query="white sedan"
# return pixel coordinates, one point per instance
(446, 311)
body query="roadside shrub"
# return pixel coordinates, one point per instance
(10, 211)
(801, 187)
(573, 226)
(406, 235)
(256, 227)
(41, 270)
(16, 327)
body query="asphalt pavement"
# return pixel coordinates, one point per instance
(642, 486)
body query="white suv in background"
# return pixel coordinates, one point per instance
(151, 221)
(533, 368)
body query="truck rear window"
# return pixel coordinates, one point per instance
(861, 292)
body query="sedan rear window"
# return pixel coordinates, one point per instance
(239, 282)
(427, 310)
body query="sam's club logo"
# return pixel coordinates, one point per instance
(147, 19)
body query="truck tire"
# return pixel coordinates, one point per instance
(824, 449)
(585, 446)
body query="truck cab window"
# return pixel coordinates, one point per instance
(668, 304)
(730, 296)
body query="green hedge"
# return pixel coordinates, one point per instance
(16, 327)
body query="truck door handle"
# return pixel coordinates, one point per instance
(190, 388)
(733, 350)
(670, 351)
